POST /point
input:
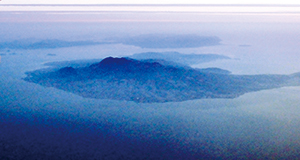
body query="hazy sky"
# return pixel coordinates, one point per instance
(150, 2)
(281, 11)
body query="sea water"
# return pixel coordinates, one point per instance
(38, 122)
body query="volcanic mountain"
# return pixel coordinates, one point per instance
(148, 81)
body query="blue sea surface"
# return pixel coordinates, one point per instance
(39, 122)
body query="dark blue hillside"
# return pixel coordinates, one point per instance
(111, 64)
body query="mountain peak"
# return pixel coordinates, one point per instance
(116, 61)
(113, 62)
(124, 64)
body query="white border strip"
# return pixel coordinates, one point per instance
(156, 8)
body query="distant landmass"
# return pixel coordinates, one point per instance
(142, 41)
(170, 41)
(148, 81)
(186, 59)
(45, 44)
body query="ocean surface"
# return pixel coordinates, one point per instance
(39, 122)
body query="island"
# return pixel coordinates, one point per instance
(151, 81)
